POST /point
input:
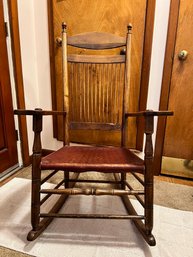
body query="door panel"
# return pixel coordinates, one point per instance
(179, 130)
(8, 145)
(102, 16)
(2, 138)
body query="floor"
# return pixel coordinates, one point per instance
(95, 238)
(26, 172)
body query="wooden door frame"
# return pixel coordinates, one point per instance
(166, 82)
(8, 151)
(145, 69)
(18, 77)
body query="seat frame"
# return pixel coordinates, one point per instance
(40, 221)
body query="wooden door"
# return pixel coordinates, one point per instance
(102, 16)
(8, 147)
(179, 129)
(177, 95)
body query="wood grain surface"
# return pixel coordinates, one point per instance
(179, 129)
(101, 16)
(8, 141)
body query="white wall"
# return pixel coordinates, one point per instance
(158, 53)
(33, 24)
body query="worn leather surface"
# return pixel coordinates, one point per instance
(103, 159)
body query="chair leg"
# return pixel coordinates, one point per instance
(39, 226)
(144, 229)
(149, 238)
(66, 176)
(35, 200)
(148, 174)
(149, 205)
(123, 178)
(148, 179)
(33, 234)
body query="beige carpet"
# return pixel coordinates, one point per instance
(172, 228)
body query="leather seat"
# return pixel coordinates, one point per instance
(81, 158)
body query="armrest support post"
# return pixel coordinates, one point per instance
(36, 175)
(149, 128)
(37, 115)
(37, 129)
(148, 176)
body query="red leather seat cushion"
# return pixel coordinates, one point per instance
(104, 159)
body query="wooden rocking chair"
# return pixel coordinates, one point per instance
(77, 159)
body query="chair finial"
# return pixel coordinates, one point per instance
(129, 27)
(64, 26)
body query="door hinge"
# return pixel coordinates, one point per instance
(6, 29)
(17, 135)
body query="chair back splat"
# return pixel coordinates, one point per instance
(94, 86)
(99, 79)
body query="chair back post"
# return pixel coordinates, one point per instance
(65, 85)
(124, 138)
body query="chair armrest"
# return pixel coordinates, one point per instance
(149, 119)
(149, 113)
(148, 128)
(37, 115)
(38, 112)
